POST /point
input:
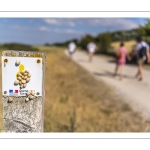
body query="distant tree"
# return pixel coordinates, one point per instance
(105, 41)
(116, 37)
(47, 44)
(124, 35)
(18, 46)
(65, 44)
(85, 40)
(145, 30)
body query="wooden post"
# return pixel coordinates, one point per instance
(21, 115)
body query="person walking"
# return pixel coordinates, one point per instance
(71, 49)
(91, 47)
(142, 54)
(121, 60)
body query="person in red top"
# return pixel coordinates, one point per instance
(121, 60)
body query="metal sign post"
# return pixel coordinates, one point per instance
(23, 74)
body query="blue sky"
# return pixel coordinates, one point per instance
(38, 31)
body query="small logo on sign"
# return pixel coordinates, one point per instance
(13, 92)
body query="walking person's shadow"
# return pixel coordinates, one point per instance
(110, 74)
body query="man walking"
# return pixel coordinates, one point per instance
(142, 53)
(71, 49)
(91, 49)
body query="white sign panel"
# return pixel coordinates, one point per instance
(20, 74)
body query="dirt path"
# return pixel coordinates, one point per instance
(134, 92)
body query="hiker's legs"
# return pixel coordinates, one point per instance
(137, 74)
(140, 72)
(140, 69)
(116, 69)
(71, 55)
(121, 71)
(90, 57)
(138, 64)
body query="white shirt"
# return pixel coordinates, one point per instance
(91, 47)
(71, 47)
(140, 45)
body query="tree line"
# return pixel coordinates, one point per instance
(17, 46)
(103, 40)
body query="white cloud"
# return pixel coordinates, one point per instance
(68, 31)
(59, 21)
(71, 23)
(72, 31)
(56, 30)
(17, 27)
(51, 21)
(43, 29)
(117, 23)
(111, 23)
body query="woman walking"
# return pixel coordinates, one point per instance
(121, 60)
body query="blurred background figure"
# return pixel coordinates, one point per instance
(142, 54)
(71, 49)
(91, 50)
(121, 60)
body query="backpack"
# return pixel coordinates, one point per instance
(142, 52)
(118, 55)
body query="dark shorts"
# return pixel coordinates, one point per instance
(71, 53)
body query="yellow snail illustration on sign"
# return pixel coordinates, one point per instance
(23, 76)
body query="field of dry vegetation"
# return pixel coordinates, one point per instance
(129, 45)
(0, 94)
(76, 102)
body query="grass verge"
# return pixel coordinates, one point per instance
(76, 102)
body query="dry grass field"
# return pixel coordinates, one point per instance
(129, 45)
(0, 94)
(76, 102)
